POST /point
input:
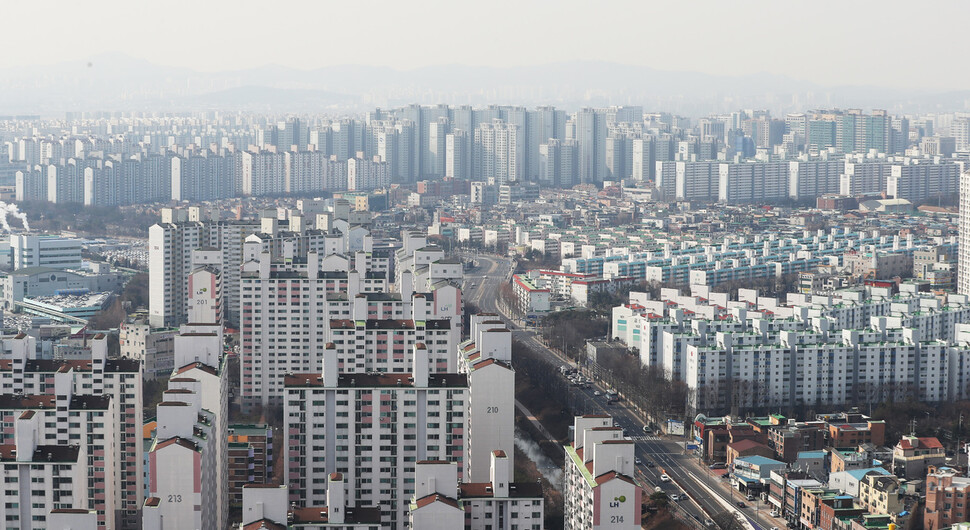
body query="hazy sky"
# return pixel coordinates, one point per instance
(889, 43)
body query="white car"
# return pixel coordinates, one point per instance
(664, 478)
(597, 393)
(775, 513)
(674, 497)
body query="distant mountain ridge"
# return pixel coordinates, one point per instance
(112, 82)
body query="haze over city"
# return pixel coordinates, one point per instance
(693, 58)
(485, 265)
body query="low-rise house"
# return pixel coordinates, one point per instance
(913, 456)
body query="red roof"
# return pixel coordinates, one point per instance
(435, 497)
(921, 443)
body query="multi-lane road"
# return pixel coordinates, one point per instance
(657, 454)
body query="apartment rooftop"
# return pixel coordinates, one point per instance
(377, 380)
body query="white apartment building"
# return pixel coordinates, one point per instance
(373, 329)
(600, 489)
(427, 264)
(116, 380)
(486, 357)
(154, 348)
(263, 173)
(367, 175)
(963, 269)
(738, 258)
(178, 246)
(170, 254)
(440, 502)
(860, 344)
(267, 506)
(530, 298)
(65, 421)
(40, 479)
(188, 475)
(496, 155)
(372, 428)
(31, 250)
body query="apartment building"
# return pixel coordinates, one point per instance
(90, 435)
(182, 243)
(93, 381)
(441, 502)
(154, 348)
(371, 428)
(267, 506)
(530, 299)
(293, 307)
(250, 458)
(188, 458)
(865, 343)
(41, 479)
(947, 498)
(600, 489)
(486, 359)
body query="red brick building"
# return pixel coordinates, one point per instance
(947, 495)
(250, 458)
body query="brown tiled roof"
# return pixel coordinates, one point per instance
(921, 443)
(263, 524)
(490, 361)
(176, 441)
(201, 366)
(436, 497)
(28, 401)
(608, 476)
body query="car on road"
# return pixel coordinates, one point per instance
(750, 497)
(664, 478)
(646, 429)
(616, 424)
(775, 513)
(597, 393)
(649, 463)
(741, 504)
(637, 461)
(710, 523)
(718, 465)
(674, 497)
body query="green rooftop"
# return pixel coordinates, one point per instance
(590, 480)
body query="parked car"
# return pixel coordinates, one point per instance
(718, 465)
(741, 504)
(750, 497)
(775, 513)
